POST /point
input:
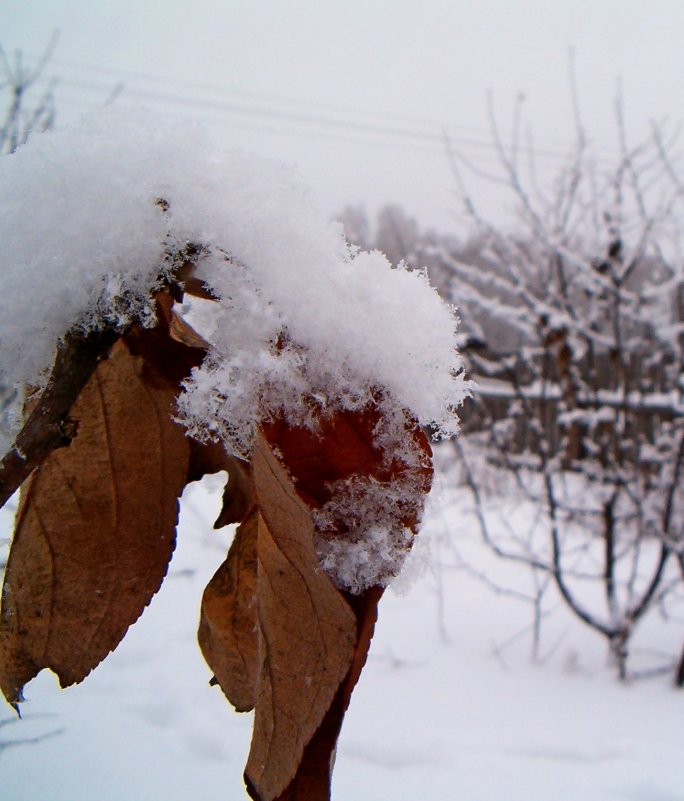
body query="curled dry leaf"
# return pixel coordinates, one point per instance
(228, 634)
(169, 350)
(344, 445)
(182, 332)
(307, 632)
(238, 495)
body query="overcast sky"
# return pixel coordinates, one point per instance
(359, 94)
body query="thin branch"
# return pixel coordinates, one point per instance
(48, 426)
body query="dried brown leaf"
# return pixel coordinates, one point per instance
(342, 445)
(313, 777)
(238, 495)
(228, 630)
(195, 286)
(308, 632)
(182, 331)
(167, 360)
(95, 528)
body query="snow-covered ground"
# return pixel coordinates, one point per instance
(450, 705)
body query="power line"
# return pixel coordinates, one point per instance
(224, 90)
(388, 133)
(304, 124)
(481, 135)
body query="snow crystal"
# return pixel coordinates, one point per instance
(366, 561)
(375, 542)
(88, 216)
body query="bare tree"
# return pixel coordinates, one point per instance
(584, 408)
(25, 115)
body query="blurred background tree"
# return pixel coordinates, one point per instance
(573, 328)
(29, 110)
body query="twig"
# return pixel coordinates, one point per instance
(48, 426)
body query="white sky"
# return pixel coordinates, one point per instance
(419, 67)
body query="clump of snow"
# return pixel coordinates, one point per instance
(89, 215)
(341, 326)
(375, 540)
(370, 559)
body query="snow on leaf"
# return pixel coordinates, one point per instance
(365, 474)
(94, 217)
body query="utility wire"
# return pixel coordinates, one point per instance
(260, 127)
(224, 91)
(390, 134)
(433, 129)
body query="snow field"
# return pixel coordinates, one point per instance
(448, 706)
